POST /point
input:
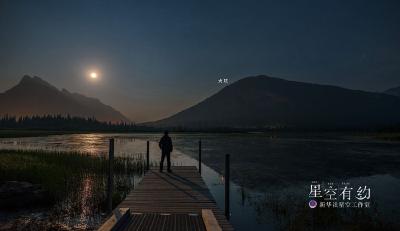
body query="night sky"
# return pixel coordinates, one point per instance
(156, 58)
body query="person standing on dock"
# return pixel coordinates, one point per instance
(166, 147)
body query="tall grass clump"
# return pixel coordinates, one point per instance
(76, 183)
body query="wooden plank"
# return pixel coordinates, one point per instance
(210, 221)
(163, 222)
(173, 201)
(118, 217)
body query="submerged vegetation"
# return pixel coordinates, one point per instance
(289, 212)
(75, 183)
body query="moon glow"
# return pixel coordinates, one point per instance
(93, 75)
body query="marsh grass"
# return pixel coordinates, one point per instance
(76, 183)
(291, 213)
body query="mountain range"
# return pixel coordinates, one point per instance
(257, 102)
(34, 96)
(267, 102)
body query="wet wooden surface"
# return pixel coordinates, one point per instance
(171, 201)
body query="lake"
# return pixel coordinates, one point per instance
(272, 173)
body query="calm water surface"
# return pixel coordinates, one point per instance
(271, 173)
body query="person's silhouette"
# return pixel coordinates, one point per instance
(166, 147)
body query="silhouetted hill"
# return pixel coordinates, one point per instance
(265, 102)
(34, 96)
(393, 91)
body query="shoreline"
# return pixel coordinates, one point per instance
(380, 135)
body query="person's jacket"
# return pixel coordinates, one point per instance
(166, 144)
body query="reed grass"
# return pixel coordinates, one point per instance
(62, 174)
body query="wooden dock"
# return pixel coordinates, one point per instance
(169, 201)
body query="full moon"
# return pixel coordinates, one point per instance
(93, 75)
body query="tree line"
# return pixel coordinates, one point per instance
(67, 123)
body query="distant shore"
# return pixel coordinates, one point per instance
(36, 133)
(31, 133)
(380, 135)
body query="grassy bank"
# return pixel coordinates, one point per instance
(69, 177)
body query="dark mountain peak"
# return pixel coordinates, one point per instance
(26, 78)
(260, 77)
(251, 80)
(35, 96)
(262, 81)
(34, 81)
(267, 102)
(65, 91)
(393, 91)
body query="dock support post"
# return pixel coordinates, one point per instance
(148, 156)
(110, 175)
(227, 184)
(200, 156)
